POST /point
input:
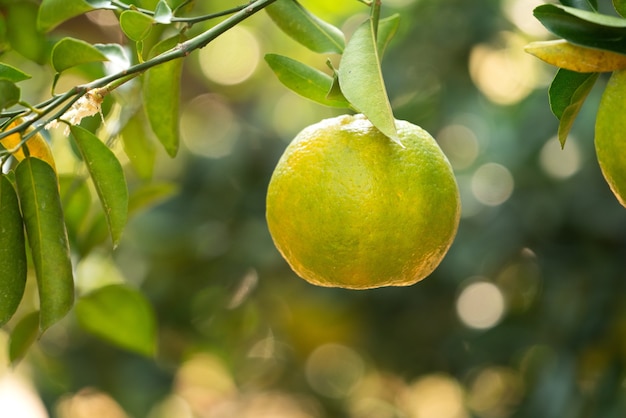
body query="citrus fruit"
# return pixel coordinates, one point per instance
(36, 145)
(348, 207)
(610, 135)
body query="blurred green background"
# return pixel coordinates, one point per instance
(524, 318)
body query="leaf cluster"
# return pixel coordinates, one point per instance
(50, 221)
(591, 43)
(55, 215)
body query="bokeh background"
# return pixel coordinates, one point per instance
(525, 317)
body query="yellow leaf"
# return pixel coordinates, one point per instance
(37, 146)
(576, 58)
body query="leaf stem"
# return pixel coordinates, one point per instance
(189, 20)
(375, 15)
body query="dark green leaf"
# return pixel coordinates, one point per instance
(361, 80)
(137, 140)
(38, 191)
(306, 28)
(161, 94)
(54, 12)
(22, 33)
(583, 27)
(387, 29)
(9, 94)
(567, 94)
(23, 336)
(12, 74)
(163, 13)
(591, 5)
(70, 52)
(620, 6)
(12, 251)
(120, 315)
(136, 25)
(304, 80)
(108, 178)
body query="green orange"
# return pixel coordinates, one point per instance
(348, 207)
(610, 135)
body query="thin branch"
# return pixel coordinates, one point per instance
(112, 81)
(188, 20)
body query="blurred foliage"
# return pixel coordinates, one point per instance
(524, 318)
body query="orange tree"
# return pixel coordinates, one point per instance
(133, 95)
(157, 36)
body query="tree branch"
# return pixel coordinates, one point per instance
(110, 82)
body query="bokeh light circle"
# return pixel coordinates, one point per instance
(492, 184)
(480, 305)
(231, 58)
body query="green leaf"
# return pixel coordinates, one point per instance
(567, 94)
(115, 53)
(136, 25)
(9, 94)
(138, 145)
(609, 135)
(306, 28)
(12, 251)
(120, 315)
(361, 80)
(304, 80)
(70, 52)
(54, 12)
(620, 7)
(142, 198)
(38, 191)
(335, 94)
(22, 33)
(108, 178)
(23, 336)
(12, 74)
(161, 94)
(387, 29)
(583, 27)
(591, 5)
(163, 13)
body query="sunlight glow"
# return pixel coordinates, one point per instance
(495, 391)
(492, 184)
(334, 370)
(560, 163)
(504, 73)
(87, 403)
(435, 396)
(460, 145)
(231, 58)
(208, 126)
(18, 399)
(480, 305)
(520, 12)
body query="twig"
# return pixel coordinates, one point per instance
(110, 82)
